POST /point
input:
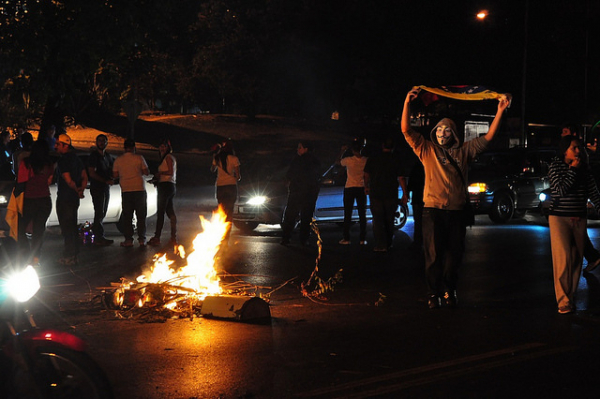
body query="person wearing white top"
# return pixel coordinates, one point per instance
(354, 190)
(167, 177)
(227, 166)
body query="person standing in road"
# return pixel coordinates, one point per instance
(130, 168)
(445, 160)
(590, 253)
(303, 189)
(36, 171)
(166, 178)
(354, 190)
(383, 173)
(227, 166)
(72, 181)
(100, 164)
(572, 184)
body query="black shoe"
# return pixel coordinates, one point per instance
(450, 299)
(433, 302)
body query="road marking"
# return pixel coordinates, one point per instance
(423, 375)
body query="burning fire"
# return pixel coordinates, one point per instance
(199, 274)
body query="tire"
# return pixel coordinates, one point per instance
(62, 373)
(503, 208)
(401, 216)
(245, 226)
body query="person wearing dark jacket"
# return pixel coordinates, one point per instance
(572, 184)
(303, 190)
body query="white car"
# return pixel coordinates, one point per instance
(86, 208)
(113, 214)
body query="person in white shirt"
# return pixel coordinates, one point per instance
(130, 168)
(227, 166)
(354, 190)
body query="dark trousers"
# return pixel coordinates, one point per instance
(66, 210)
(383, 210)
(299, 203)
(134, 201)
(100, 199)
(350, 195)
(165, 194)
(226, 197)
(444, 245)
(35, 211)
(417, 206)
(590, 253)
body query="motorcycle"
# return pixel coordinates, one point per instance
(37, 362)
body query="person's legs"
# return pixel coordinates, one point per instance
(290, 214)
(141, 211)
(100, 198)
(307, 212)
(348, 205)
(390, 205)
(128, 206)
(379, 234)
(560, 239)
(43, 208)
(361, 206)
(453, 254)
(432, 244)
(170, 211)
(66, 210)
(161, 206)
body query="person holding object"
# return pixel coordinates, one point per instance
(572, 184)
(166, 178)
(445, 160)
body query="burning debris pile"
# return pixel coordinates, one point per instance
(191, 286)
(183, 291)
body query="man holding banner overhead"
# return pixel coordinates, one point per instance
(445, 159)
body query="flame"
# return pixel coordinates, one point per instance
(199, 273)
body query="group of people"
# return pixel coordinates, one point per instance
(39, 167)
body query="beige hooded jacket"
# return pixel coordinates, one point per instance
(443, 186)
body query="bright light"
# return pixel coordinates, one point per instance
(542, 197)
(476, 188)
(482, 14)
(258, 200)
(23, 285)
(3, 199)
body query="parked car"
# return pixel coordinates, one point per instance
(506, 184)
(264, 203)
(86, 208)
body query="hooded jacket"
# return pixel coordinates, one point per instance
(444, 187)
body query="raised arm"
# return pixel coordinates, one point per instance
(502, 105)
(405, 122)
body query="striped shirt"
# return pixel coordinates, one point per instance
(571, 189)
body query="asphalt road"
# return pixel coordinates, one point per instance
(372, 337)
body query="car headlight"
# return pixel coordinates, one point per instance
(3, 200)
(477, 188)
(257, 200)
(543, 197)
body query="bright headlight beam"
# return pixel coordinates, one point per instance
(477, 188)
(258, 200)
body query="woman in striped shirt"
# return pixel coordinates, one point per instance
(572, 184)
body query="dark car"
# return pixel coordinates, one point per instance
(506, 184)
(264, 202)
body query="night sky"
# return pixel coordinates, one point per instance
(443, 43)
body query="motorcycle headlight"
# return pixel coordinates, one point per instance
(23, 284)
(257, 200)
(476, 188)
